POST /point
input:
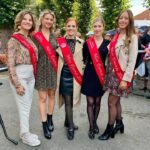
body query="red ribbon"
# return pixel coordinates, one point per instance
(69, 59)
(114, 60)
(95, 55)
(31, 50)
(47, 48)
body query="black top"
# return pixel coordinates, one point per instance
(91, 85)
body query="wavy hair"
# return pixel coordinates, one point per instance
(19, 18)
(42, 14)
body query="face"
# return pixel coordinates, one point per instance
(47, 21)
(26, 23)
(123, 21)
(71, 28)
(98, 28)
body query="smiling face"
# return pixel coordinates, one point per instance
(123, 20)
(26, 23)
(98, 28)
(71, 28)
(47, 21)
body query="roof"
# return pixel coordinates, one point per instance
(145, 15)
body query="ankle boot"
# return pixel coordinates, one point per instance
(119, 126)
(109, 132)
(91, 134)
(50, 123)
(46, 131)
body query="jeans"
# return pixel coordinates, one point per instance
(27, 80)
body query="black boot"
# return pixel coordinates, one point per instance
(91, 134)
(96, 128)
(119, 126)
(46, 131)
(70, 133)
(50, 123)
(109, 132)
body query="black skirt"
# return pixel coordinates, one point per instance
(66, 81)
(91, 85)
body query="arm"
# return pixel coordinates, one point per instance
(133, 51)
(11, 62)
(85, 53)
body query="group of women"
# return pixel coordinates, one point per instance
(63, 68)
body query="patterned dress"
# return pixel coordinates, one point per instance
(112, 83)
(45, 75)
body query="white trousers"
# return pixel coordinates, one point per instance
(26, 78)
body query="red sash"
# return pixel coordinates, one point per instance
(47, 48)
(114, 60)
(69, 59)
(26, 44)
(98, 64)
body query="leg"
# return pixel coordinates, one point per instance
(119, 124)
(96, 113)
(51, 101)
(42, 109)
(69, 116)
(90, 112)
(112, 111)
(51, 104)
(42, 104)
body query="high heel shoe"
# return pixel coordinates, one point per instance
(91, 134)
(119, 126)
(109, 132)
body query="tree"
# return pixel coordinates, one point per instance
(111, 9)
(9, 9)
(147, 3)
(84, 11)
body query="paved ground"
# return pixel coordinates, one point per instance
(136, 113)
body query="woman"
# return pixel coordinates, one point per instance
(93, 79)
(123, 51)
(45, 81)
(22, 57)
(69, 75)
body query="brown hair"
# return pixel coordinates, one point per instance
(71, 19)
(130, 28)
(42, 15)
(99, 19)
(19, 18)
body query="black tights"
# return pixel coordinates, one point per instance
(93, 109)
(68, 109)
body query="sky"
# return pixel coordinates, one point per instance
(137, 6)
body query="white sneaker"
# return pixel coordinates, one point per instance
(27, 138)
(34, 135)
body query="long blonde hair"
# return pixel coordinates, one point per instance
(42, 14)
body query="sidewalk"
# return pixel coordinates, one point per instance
(136, 117)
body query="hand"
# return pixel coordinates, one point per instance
(3, 58)
(123, 85)
(20, 90)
